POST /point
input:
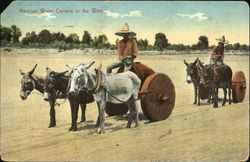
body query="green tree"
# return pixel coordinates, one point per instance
(57, 37)
(229, 47)
(203, 42)
(44, 37)
(5, 33)
(142, 44)
(161, 41)
(101, 42)
(15, 33)
(194, 47)
(243, 47)
(236, 46)
(86, 38)
(72, 38)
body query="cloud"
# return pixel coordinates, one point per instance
(69, 26)
(46, 16)
(135, 13)
(197, 16)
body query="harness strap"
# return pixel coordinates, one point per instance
(113, 96)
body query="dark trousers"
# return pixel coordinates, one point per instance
(114, 65)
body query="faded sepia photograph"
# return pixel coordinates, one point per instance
(125, 81)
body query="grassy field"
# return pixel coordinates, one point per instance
(190, 133)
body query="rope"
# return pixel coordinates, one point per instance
(59, 104)
(113, 96)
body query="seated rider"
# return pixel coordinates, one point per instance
(218, 51)
(127, 49)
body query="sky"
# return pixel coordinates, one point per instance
(181, 21)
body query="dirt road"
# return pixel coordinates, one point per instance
(190, 133)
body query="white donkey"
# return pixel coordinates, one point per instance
(115, 88)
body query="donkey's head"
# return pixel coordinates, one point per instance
(192, 73)
(205, 73)
(79, 78)
(52, 84)
(27, 83)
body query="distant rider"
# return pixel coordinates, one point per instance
(127, 49)
(218, 51)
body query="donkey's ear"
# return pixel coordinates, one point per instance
(88, 65)
(200, 64)
(186, 63)
(32, 71)
(196, 61)
(71, 66)
(48, 71)
(22, 73)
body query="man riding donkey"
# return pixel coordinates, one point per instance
(127, 49)
(218, 51)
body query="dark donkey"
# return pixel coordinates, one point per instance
(193, 76)
(29, 82)
(217, 77)
(56, 86)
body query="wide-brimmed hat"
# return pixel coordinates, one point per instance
(222, 40)
(125, 30)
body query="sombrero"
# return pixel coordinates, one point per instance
(222, 40)
(125, 30)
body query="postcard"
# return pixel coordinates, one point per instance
(125, 80)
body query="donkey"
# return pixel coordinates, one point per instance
(193, 76)
(56, 85)
(217, 77)
(115, 88)
(29, 82)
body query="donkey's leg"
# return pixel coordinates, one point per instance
(198, 95)
(133, 108)
(215, 96)
(72, 115)
(229, 93)
(209, 95)
(102, 117)
(52, 114)
(75, 114)
(225, 96)
(195, 94)
(131, 114)
(83, 108)
(98, 118)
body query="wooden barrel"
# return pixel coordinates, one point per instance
(157, 97)
(239, 86)
(204, 92)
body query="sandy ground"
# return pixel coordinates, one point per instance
(190, 133)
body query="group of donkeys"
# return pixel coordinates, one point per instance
(212, 76)
(83, 85)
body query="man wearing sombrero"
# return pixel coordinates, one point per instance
(218, 51)
(126, 48)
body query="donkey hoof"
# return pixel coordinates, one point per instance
(215, 106)
(51, 125)
(100, 131)
(137, 125)
(83, 120)
(72, 129)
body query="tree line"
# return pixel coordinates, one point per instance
(46, 39)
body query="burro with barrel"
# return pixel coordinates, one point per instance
(157, 93)
(207, 79)
(116, 93)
